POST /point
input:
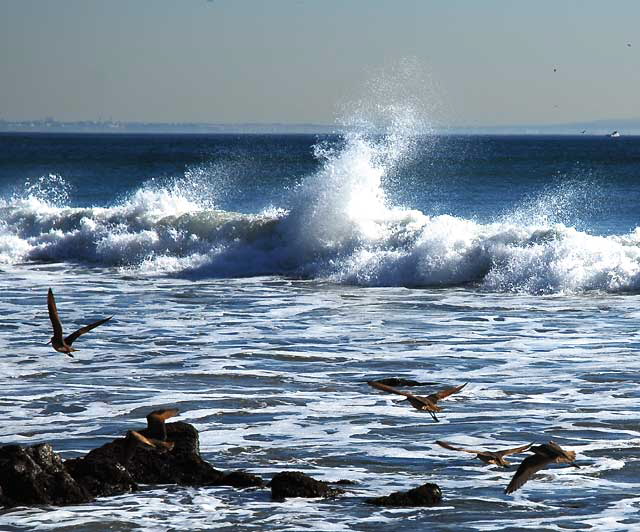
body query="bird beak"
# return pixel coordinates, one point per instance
(48, 342)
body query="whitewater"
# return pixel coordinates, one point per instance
(336, 225)
(257, 283)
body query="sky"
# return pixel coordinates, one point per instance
(468, 63)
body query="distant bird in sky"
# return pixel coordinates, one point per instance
(488, 457)
(555, 69)
(583, 131)
(545, 454)
(60, 343)
(629, 44)
(424, 404)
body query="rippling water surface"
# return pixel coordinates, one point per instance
(262, 325)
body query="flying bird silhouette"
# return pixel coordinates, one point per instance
(545, 454)
(424, 404)
(488, 457)
(60, 343)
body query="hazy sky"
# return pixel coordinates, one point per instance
(292, 61)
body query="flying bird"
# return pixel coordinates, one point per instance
(424, 404)
(60, 343)
(488, 457)
(135, 440)
(545, 454)
(155, 422)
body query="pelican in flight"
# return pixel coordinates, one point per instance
(58, 341)
(488, 457)
(545, 454)
(424, 404)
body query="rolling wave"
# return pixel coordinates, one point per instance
(336, 225)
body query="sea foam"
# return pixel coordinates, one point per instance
(337, 224)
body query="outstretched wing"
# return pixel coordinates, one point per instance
(163, 414)
(529, 467)
(385, 388)
(53, 316)
(74, 336)
(155, 422)
(447, 445)
(435, 397)
(140, 439)
(516, 450)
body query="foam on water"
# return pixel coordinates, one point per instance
(337, 224)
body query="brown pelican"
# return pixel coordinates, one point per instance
(545, 454)
(424, 404)
(488, 457)
(60, 343)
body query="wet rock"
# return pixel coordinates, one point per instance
(182, 465)
(297, 484)
(36, 476)
(345, 482)
(399, 381)
(101, 476)
(242, 479)
(425, 495)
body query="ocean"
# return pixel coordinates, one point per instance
(258, 281)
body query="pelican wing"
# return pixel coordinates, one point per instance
(447, 445)
(163, 414)
(529, 467)
(140, 439)
(435, 397)
(74, 336)
(516, 450)
(385, 388)
(53, 316)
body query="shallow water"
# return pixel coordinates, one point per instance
(271, 372)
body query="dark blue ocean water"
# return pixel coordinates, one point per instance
(257, 282)
(478, 177)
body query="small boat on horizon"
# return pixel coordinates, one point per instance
(615, 134)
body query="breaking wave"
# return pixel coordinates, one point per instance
(337, 224)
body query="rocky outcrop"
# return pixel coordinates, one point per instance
(400, 381)
(37, 475)
(425, 495)
(297, 484)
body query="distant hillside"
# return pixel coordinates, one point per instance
(628, 126)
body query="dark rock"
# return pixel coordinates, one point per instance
(182, 465)
(36, 476)
(345, 482)
(297, 484)
(242, 479)
(101, 475)
(399, 381)
(425, 495)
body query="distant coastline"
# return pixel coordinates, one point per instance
(48, 125)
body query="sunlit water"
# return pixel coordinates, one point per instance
(262, 322)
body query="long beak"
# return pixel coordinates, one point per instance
(48, 342)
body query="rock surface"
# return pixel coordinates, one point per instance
(37, 475)
(297, 484)
(425, 495)
(400, 381)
